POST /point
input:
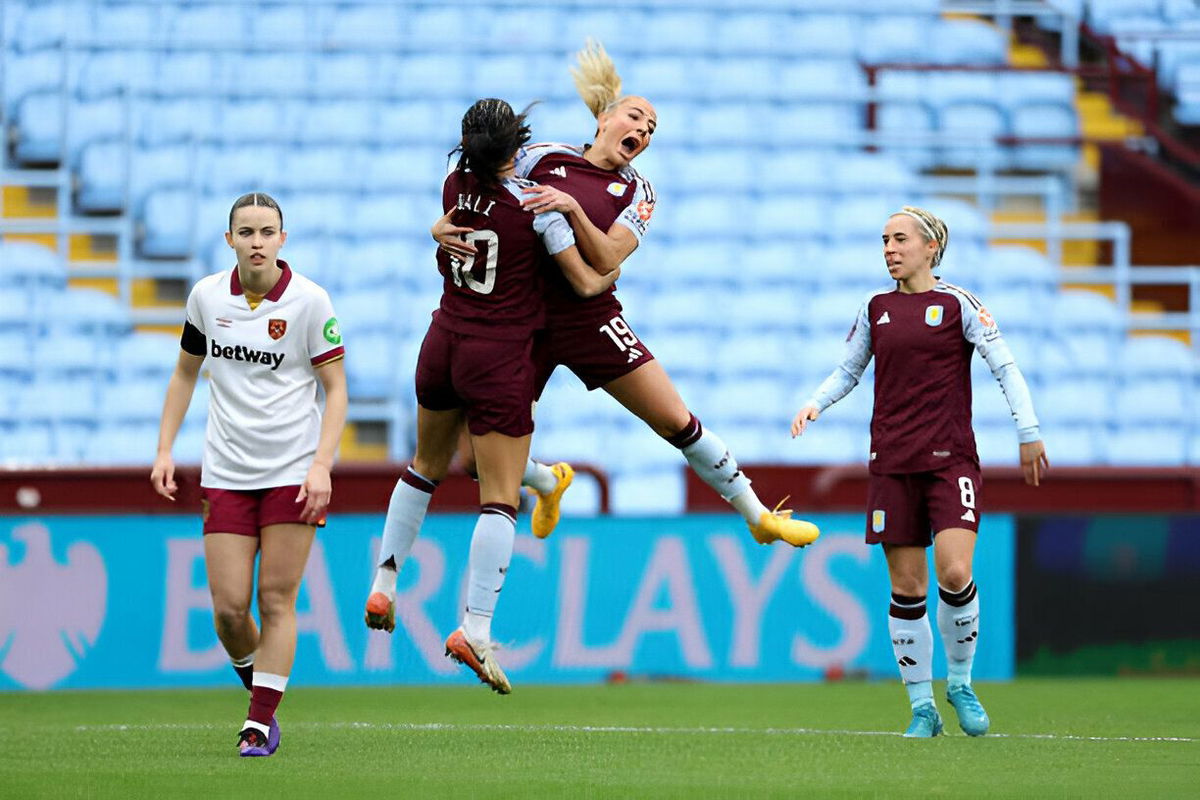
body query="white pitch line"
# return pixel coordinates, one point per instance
(454, 726)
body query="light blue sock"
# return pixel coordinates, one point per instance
(958, 622)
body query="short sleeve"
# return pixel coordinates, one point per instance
(557, 234)
(636, 216)
(324, 332)
(194, 313)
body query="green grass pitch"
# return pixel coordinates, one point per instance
(1090, 738)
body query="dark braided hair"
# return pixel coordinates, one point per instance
(491, 134)
(255, 199)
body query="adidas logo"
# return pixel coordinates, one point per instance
(559, 171)
(883, 320)
(969, 516)
(634, 355)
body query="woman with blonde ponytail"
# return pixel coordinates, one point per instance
(609, 206)
(924, 469)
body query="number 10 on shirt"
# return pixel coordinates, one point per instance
(460, 269)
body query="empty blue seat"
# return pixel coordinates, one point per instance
(975, 126)
(370, 24)
(286, 73)
(106, 72)
(1074, 402)
(30, 266)
(25, 73)
(788, 170)
(1161, 401)
(1143, 357)
(1045, 121)
(146, 355)
(791, 215)
(742, 78)
(661, 77)
(126, 24)
(292, 25)
(827, 34)
(1147, 445)
(194, 25)
(806, 79)
(811, 124)
(755, 33)
(872, 172)
(969, 41)
(997, 445)
(679, 31)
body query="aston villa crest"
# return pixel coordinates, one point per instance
(277, 328)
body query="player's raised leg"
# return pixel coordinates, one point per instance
(649, 393)
(548, 484)
(436, 434)
(958, 623)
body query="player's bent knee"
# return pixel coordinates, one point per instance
(954, 578)
(230, 617)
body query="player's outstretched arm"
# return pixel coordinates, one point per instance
(175, 406)
(1034, 462)
(804, 416)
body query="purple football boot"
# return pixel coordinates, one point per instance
(252, 743)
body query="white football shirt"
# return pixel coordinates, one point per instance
(263, 417)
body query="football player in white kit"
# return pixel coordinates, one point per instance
(269, 335)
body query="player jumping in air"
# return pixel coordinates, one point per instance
(610, 205)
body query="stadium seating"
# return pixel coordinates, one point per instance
(764, 245)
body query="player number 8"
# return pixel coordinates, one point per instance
(966, 491)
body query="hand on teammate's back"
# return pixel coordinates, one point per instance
(542, 198)
(449, 237)
(1034, 462)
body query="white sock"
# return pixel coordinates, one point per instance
(385, 581)
(406, 511)
(244, 661)
(958, 622)
(539, 477)
(709, 458)
(912, 642)
(749, 506)
(491, 552)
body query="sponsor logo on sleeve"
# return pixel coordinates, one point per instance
(645, 210)
(985, 318)
(276, 328)
(933, 316)
(333, 332)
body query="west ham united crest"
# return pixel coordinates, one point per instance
(276, 328)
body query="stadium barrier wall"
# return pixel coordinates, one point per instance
(120, 600)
